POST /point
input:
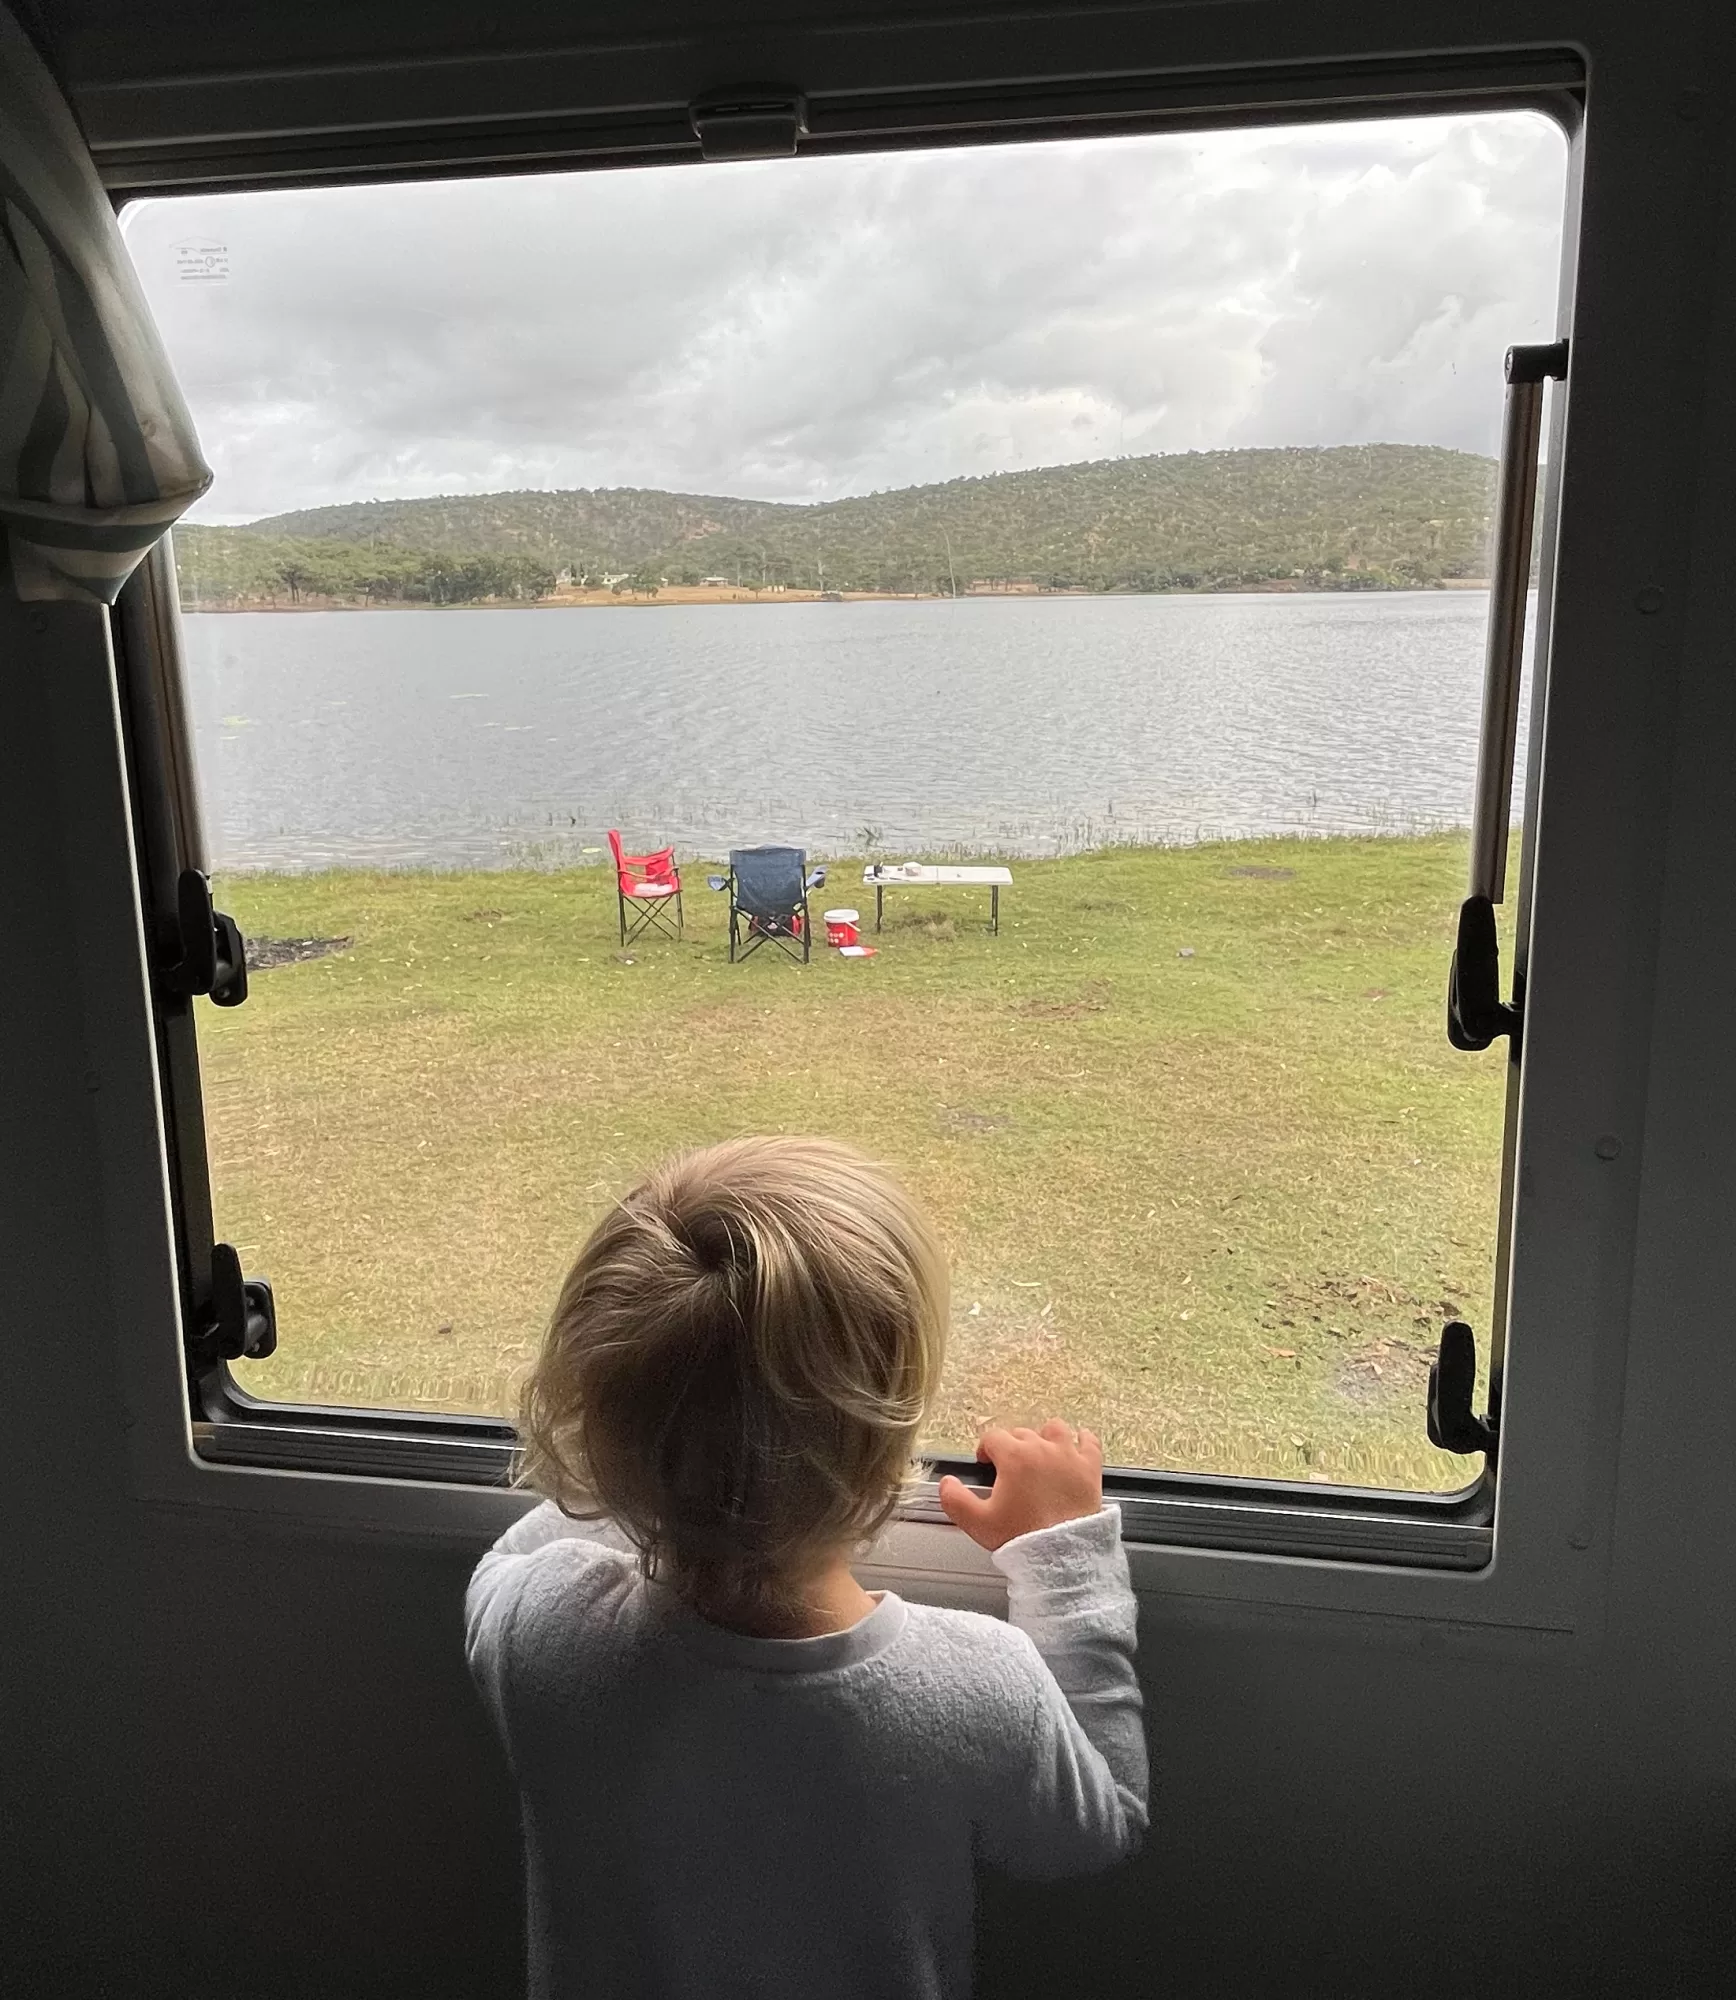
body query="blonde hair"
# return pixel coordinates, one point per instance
(739, 1363)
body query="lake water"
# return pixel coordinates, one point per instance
(990, 725)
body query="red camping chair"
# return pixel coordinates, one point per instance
(652, 884)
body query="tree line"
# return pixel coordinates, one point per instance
(218, 566)
(1342, 517)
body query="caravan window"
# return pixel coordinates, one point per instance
(1111, 513)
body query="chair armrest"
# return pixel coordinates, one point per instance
(658, 867)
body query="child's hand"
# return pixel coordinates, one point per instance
(1042, 1478)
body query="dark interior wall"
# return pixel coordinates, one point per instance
(238, 1760)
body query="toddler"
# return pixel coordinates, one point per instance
(743, 1776)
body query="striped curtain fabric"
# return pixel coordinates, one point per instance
(98, 456)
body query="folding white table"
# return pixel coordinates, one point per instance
(881, 877)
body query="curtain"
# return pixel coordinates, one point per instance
(98, 456)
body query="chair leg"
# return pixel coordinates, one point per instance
(745, 938)
(792, 946)
(650, 916)
(621, 914)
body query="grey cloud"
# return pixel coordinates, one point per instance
(810, 329)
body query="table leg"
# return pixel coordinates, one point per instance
(995, 908)
(879, 903)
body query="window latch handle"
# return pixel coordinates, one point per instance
(1453, 1426)
(241, 1319)
(209, 953)
(1476, 1013)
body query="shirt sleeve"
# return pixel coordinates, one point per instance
(497, 1584)
(1083, 1802)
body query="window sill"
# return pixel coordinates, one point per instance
(1238, 1516)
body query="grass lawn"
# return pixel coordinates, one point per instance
(1210, 1174)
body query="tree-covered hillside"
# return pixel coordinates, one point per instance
(221, 566)
(1352, 516)
(623, 525)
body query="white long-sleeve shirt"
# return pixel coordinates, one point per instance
(708, 1814)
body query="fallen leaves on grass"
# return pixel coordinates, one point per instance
(266, 954)
(1383, 1368)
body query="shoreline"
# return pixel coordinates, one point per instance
(692, 596)
(589, 859)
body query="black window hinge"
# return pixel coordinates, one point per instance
(200, 950)
(1453, 1426)
(239, 1322)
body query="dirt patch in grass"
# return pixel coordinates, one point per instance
(936, 926)
(1380, 1336)
(1092, 998)
(266, 954)
(1252, 871)
(956, 1118)
(1383, 1370)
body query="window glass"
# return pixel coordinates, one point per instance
(1113, 514)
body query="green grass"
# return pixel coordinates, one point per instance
(1215, 1205)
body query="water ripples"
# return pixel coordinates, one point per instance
(1010, 726)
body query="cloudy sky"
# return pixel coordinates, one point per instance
(805, 329)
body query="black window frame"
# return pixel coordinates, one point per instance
(232, 1428)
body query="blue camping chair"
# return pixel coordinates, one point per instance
(768, 900)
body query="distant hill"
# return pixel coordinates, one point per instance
(1350, 516)
(625, 524)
